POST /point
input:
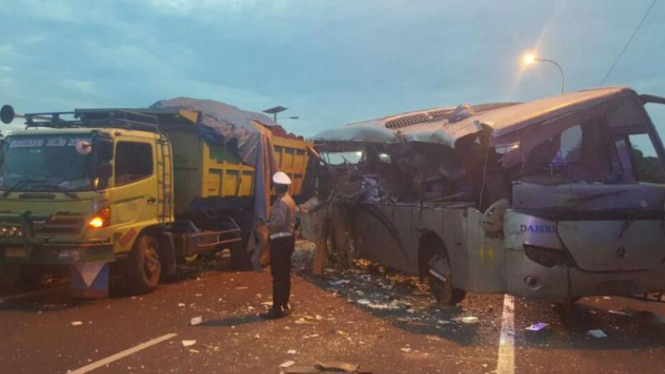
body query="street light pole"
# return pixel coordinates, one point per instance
(563, 78)
(274, 111)
(530, 58)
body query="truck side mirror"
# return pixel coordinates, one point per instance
(101, 174)
(7, 114)
(104, 148)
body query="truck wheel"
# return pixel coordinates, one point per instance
(32, 277)
(143, 266)
(9, 275)
(240, 258)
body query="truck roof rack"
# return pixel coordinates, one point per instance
(135, 119)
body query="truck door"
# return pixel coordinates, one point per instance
(135, 194)
(598, 185)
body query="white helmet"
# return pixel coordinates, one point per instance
(281, 178)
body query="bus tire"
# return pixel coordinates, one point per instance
(331, 246)
(443, 291)
(143, 267)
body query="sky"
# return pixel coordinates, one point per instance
(329, 62)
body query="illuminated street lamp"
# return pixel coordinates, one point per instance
(530, 59)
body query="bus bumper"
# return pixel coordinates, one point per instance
(529, 279)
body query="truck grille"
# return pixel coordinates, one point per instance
(60, 224)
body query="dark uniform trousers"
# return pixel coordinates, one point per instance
(281, 250)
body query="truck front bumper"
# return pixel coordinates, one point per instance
(527, 278)
(56, 253)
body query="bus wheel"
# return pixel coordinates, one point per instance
(143, 265)
(443, 291)
(330, 242)
(434, 266)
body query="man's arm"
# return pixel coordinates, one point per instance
(277, 218)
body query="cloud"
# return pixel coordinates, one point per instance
(330, 62)
(79, 86)
(53, 10)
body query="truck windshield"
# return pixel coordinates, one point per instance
(46, 163)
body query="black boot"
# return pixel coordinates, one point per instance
(278, 301)
(286, 307)
(274, 313)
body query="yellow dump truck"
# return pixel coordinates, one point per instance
(142, 188)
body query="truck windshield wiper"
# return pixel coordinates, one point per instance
(60, 188)
(19, 184)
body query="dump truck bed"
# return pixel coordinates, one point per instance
(204, 170)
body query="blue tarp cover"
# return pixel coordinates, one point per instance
(221, 123)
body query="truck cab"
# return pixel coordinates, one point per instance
(84, 196)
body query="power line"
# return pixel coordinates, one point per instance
(628, 43)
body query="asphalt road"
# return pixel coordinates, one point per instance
(381, 320)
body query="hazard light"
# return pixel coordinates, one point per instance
(101, 219)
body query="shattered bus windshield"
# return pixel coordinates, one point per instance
(336, 158)
(45, 163)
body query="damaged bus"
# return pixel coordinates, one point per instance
(557, 198)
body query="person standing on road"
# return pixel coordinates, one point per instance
(282, 242)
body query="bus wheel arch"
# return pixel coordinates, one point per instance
(433, 265)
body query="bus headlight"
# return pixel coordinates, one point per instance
(548, 257)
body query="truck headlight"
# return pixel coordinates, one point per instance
(100, 219)
(10, 231)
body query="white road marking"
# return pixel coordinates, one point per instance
(123, 354)
(506, 362)
(22, 295)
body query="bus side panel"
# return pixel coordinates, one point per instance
(477, 262)
(379, 240)
(485, 258)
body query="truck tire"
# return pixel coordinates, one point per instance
(31, 277)
(191, 258)
(240, 258)
(143, 267)
(9, 275)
